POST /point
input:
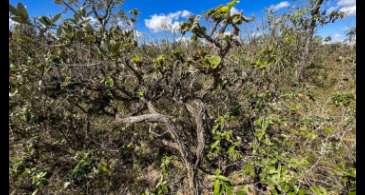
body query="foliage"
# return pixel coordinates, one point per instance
(94, 110)
(221, 184)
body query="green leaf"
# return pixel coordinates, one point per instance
(114, 47)
(260, 133)
(215, 147)
(160, 59)
(134, 12)
(22, 11)
(109, 82)
(45, 21)
(140, 93)
(241, 192)
(246, 190)
(103, 168)
(13, 10)
(228, 189)
(237, 19)
(56, 17)
(319, 190)
(136, 59)
(301, 192)
(19, 14)
(216, 187)
(248, 169)
(351, 172)
(223, 9)
(232, 3)
(212, 60)
(223, 178)
(352, 193)
(35, 192)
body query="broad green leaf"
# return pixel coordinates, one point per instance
(19, 14)
(216, 187)
(22, 11)
(350, 172)
(222, 178)
(160, 59)
(45, 21)
(223, 9)
(136, 59)
(260, 134)
(213, 61)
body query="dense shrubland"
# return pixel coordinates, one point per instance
(94, 111)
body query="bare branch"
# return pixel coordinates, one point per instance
(141, 118)
(172, 130)
(214, 28)
(198, 113)
(107, 12)
(69, 7)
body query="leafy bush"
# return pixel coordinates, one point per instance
(93, 110)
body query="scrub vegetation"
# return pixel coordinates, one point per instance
(96, 110)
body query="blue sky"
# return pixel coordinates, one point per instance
(155, 12)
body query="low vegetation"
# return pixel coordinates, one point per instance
(94, 110)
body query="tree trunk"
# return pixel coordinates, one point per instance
(309, 27)
(192, 179)
(304, 56)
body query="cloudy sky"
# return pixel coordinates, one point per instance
(162, 16)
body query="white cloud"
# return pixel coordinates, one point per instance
(138, 34)
(349, 11)
(12, 24)
(341, 38)
(331, 9)
(336, 38)
(123, 24)
(169, 22)
(183, 40)
(346, 6)
(92, 21)
(281, 5)
(346, 2)
(185, 13)
(235, 11)
(256, 34)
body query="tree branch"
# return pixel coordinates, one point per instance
(154, 116)
(198, 113)
(140, 118)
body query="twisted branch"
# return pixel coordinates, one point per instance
(198, 113)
